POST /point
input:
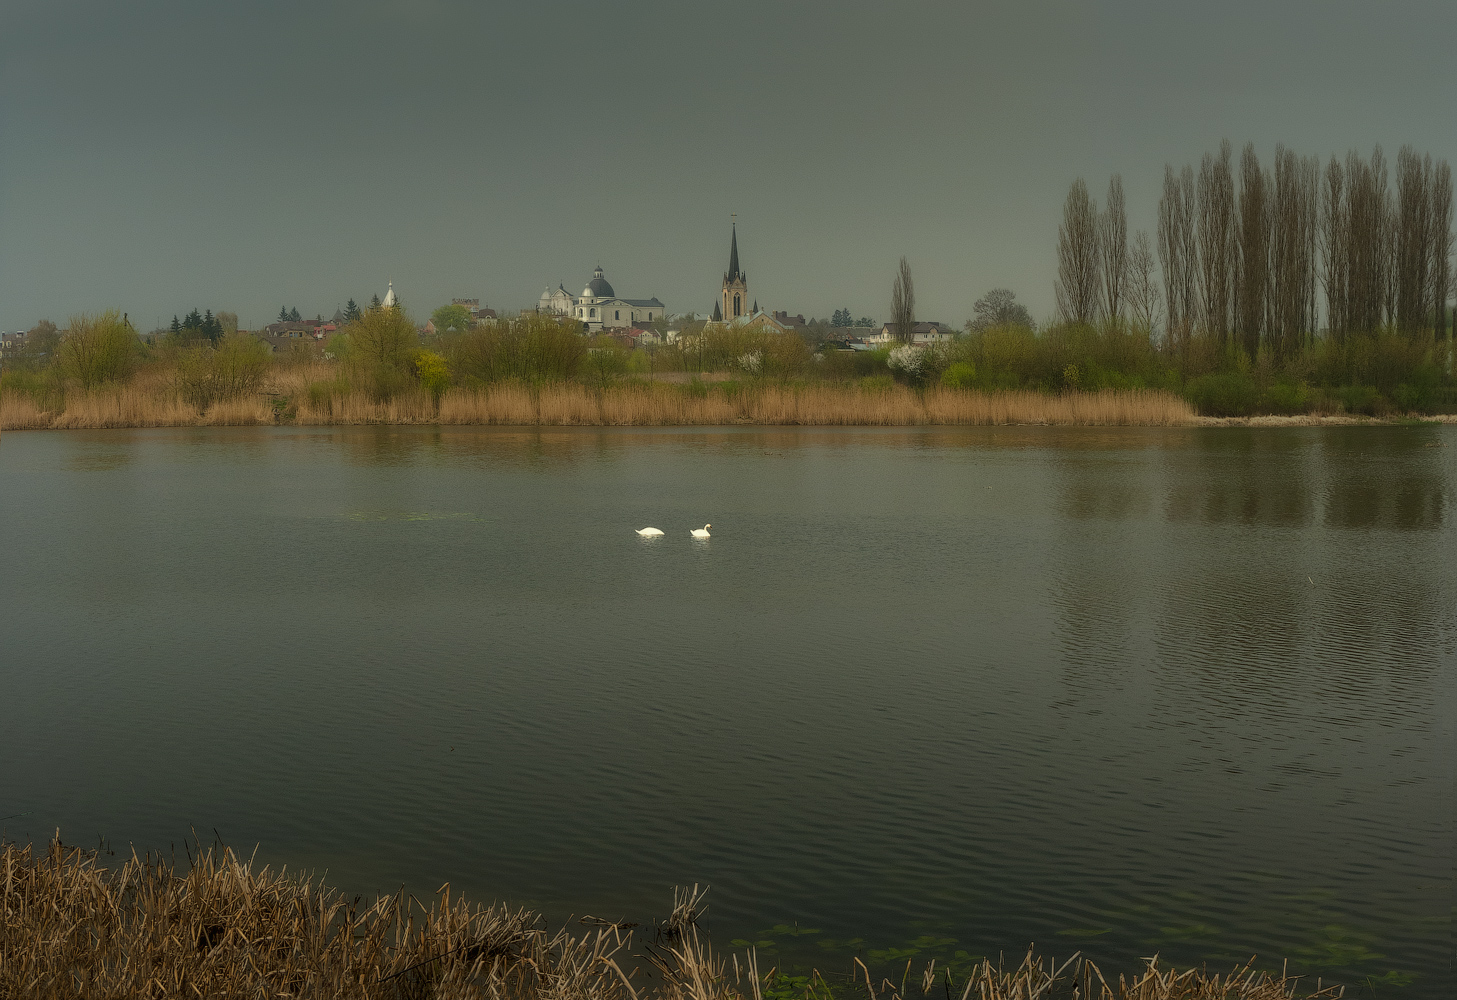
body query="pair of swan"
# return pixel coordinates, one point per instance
(655, 532)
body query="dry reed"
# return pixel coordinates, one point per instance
(222, 927)
(308, 399)
(19, 412)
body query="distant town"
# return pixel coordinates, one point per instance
(598, 309)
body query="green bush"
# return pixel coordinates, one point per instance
(1365, 399)
(42, 387)
(1287, 397)
(530, 349)
(1223, 394)
(877, 383)
(433, 373)
(959, 375)
(98, 349)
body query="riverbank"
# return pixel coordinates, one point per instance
(76, 925)
(1322, 420)
(623, 404)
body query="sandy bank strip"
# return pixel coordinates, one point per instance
(1319, 420)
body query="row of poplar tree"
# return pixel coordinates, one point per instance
(1252, 255)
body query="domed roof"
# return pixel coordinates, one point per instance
(598, 287)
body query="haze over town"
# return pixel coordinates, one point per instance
(315, 153)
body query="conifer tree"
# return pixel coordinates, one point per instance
(176, 324)
(351, 311)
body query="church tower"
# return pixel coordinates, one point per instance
(735, 284)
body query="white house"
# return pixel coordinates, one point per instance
(921, 333)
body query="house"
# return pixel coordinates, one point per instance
(779, 322)
(285, 344)
(921, 333)
(289, 329)
(11, 343)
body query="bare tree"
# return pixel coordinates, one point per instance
(1414, 232)
(1113, 251)
(1291, 285)
(1077, 257)
(1441, 243)
(903, 304)
(1171, 253)
(999, 307)
(1179, 253)
(1254, 250)
(1367, 243)
(1143, 291)
(1335, 234)
(1217, 240)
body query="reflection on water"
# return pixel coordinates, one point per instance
(928, 693)
(1403, 486)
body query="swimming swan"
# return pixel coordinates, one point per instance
(702, 532)
(649, 532)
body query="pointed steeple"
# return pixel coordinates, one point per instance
(734, 274)
(717, 313)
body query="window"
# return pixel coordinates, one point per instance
(617, 314)
(594, 313)
(737, 307)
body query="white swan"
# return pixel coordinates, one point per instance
(702, 532)
(649, 532)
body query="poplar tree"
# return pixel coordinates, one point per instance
(1113, 251)
(1077, 257)
(903, 304)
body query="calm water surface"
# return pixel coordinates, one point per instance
(938, 693)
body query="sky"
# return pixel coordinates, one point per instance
(161, 155)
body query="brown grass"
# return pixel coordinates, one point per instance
(19, 412)
(816, 405)
(131, 407)
(309, 396)
(221, 927)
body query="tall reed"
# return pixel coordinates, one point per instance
(220, 926)
(300, 396)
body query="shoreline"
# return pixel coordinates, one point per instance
(657, 405)
(221, 926)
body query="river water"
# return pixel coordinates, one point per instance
(924, 693)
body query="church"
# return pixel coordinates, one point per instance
(599, 307)
(733, 305)
(734, 302)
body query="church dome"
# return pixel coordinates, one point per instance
(598, 287)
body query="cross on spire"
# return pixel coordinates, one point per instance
(734, 274)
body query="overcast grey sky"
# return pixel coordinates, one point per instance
(164, 154)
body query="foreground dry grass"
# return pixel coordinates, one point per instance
(71, 928)
(633, 404)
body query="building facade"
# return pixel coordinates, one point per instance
(599, 307)
(921, 333)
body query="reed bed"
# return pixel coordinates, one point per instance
(132, 407)
(72, 928)
(19, 412)
(296, 394)
(814, 405)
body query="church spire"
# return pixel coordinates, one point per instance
(734, 274)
